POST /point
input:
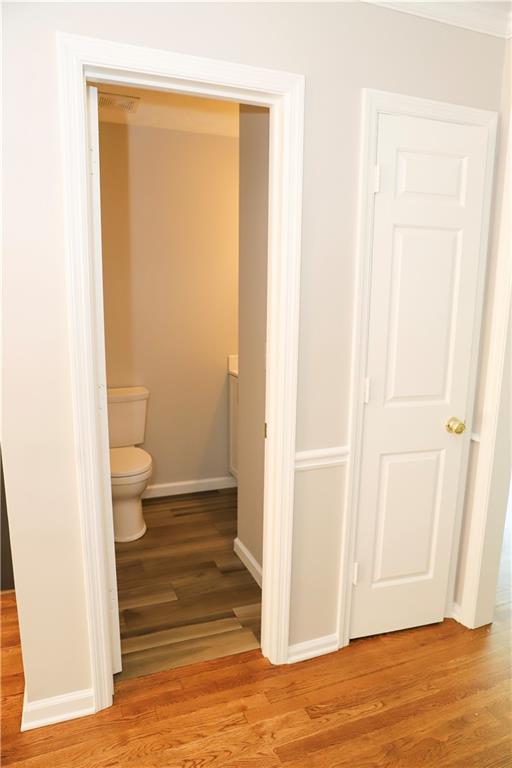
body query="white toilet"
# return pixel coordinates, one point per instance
(130, 467)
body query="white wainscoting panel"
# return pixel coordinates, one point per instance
(318, 514)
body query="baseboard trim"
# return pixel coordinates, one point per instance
(311, 648)
(56, 709)
(248, 560)
(189, 486)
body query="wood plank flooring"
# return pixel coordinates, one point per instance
(184, 596)
(433, 697)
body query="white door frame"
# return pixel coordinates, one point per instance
(82, 59)
(486, 520)
(376, 103)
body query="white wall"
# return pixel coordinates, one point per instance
(340, 48)
(170, 277)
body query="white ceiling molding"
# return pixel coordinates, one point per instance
(491, 18)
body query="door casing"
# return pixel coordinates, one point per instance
(375, 103)
(84, 59)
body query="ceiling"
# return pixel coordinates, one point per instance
(172, 111)
(492, 18)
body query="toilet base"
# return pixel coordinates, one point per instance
(129, 523)
(135, 536)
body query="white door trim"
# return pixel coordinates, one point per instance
(477, 600)
(82, 59)
(376, 103)
(100, 374)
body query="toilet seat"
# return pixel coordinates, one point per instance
(129, 464)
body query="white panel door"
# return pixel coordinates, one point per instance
(425, 266)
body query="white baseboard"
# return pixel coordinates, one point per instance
(189, 486)
(56, 709)
(311, 648)
(248, 560)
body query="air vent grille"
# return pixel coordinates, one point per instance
(119, 101)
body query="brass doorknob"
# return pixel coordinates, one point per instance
(455, 426)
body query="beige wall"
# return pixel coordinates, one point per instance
(170, 270)
(340, 48)
(253, 201)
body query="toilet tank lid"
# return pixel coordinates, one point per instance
(129, 461)
(126, 394)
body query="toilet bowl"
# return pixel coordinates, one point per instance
(130, 466)
(130, 470)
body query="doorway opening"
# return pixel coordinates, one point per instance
(83, 60)
(183, 184)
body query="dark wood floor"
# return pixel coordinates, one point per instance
(437, 696)
(184, 596)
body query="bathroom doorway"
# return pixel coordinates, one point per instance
(85, 60)
(184, 206)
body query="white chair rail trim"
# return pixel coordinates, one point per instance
(321, 457)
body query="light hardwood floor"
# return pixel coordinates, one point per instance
(437, 696)
(184, 596)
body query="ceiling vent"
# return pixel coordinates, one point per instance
(118, 101)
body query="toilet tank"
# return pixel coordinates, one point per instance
(126, 415)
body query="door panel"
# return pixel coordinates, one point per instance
(425, 267)
(431, 174)
(408, 510)
(421, 333)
